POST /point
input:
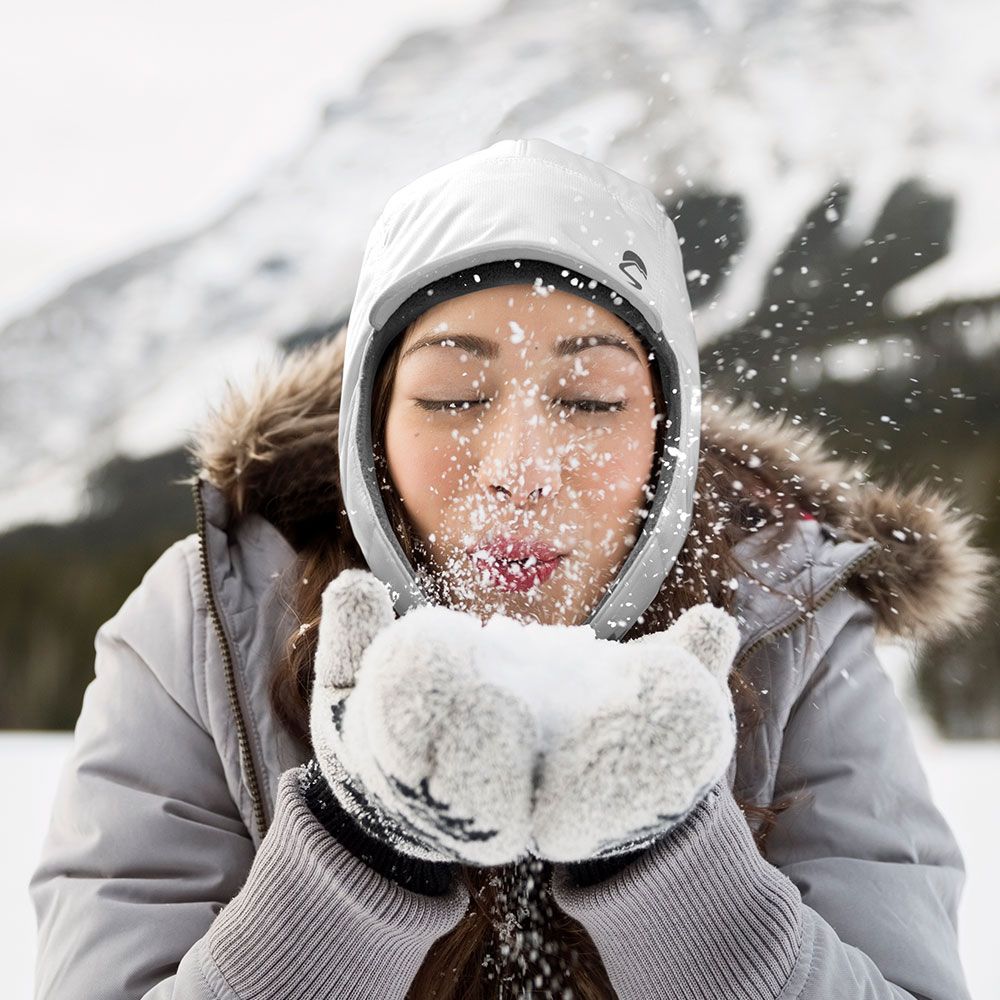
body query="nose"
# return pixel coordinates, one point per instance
(521, 461)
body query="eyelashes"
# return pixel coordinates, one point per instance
(581, 405)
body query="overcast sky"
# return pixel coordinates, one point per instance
(125, 123)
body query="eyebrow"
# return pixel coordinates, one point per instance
(484, 348)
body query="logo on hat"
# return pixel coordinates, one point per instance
(630, 259)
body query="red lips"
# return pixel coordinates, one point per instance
(515, 564)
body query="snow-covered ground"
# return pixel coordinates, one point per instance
(962, 776)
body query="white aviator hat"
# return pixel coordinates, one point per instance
(533, 202)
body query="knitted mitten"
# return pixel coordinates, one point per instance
(623, 776)
(424, 755)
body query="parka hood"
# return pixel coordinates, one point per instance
(271, 450)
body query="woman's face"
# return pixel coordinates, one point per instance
(523, 414)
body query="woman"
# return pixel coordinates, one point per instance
(474, 401)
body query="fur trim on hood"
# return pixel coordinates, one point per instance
(272, 449)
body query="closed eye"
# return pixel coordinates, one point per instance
(448, 404)
(593, 405)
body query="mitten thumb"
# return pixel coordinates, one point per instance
(711, 635)
(356, 606)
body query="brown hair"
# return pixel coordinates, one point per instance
(472, 960)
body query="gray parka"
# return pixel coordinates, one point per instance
(158, 880)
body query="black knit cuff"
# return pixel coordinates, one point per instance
(432, 878)
(583, 874)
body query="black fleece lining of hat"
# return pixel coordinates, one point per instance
(493, 274)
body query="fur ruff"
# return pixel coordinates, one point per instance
(272, 449)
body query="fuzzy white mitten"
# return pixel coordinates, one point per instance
(425, 754)
(619, 778)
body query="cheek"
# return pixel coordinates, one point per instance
(425, 465)
(616, 467)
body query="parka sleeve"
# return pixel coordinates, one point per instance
(145, 847)
(859, 891)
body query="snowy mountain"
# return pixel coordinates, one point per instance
(746, 118)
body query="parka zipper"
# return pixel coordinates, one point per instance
(246, 757)
(833, 587)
